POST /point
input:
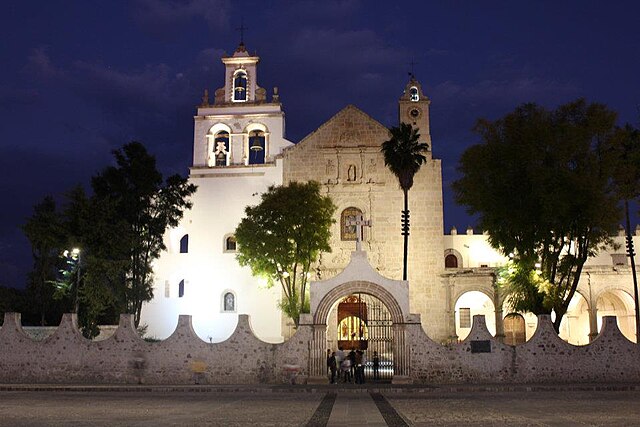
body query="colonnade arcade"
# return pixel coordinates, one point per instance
(475, 294)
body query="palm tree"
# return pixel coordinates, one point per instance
(403, 155)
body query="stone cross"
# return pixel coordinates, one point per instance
(359, 222)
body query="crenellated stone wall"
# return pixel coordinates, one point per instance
(183, 358)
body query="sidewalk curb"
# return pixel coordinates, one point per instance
(384, 389)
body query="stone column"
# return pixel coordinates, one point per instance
(451, 309)
(318, 355)
(593, 312)
(401, 374)
(497, 303)
(593, 321)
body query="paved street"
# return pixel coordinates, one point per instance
(299, 408)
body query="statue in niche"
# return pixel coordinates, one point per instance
(229, 302)
(221, 154)
(329, 167)
(351, 173)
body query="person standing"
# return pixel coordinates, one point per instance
(339, 360)
(328, 367)
(333, 367)
(358, 366)
(376, 366)
(352, 359)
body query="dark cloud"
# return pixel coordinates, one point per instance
(166, 16)
(40, 65)
(329, 47)
(11, 97)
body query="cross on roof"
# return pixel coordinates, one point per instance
(411, 64)
(359, 222)
(241, 28)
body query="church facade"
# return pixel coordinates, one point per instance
(239, 150)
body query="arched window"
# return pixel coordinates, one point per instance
(230, 244)
(184, 244)
(257, 145)
(229, 302)
(451, 261)
(240, 86)
(348, 232)
(221, 148)
(413, 93)
(181, 289)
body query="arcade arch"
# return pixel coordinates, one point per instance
(472, 303)
(616, 302)
(574, 327)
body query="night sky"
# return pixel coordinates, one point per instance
(80, 78)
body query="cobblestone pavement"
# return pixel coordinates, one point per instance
(299, 407)
(547, 408)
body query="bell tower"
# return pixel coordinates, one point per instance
(413, 108)
(242, 127)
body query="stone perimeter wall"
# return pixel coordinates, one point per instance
(183, 358)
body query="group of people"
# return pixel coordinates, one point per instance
(349, 367)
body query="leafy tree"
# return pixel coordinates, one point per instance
(45, 233)
(11, 300)
(283, 235)
(540, 183)
(140, 206)
(404, 155)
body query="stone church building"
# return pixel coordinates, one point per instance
(239, 150)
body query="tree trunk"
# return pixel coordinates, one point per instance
(631, 254)
(405, 231)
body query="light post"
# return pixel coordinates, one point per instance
(75, 256)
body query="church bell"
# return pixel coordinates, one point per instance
(255, 145)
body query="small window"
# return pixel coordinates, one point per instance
(465, 317)
(348, 232)
(167, 289)
(229, 302)
(184, 244)
(451, 261)
(230, 244)
(240, 86)
(181, 289)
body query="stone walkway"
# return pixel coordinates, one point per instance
(568, 405)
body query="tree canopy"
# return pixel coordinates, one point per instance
(540, 185)
(117, 233)
(282, 236)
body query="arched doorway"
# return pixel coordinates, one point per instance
(514, 329)
(362, 323)
(470, 304)
(390, 298)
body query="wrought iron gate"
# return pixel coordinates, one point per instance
(364, 323)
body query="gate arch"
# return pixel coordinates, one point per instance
(324, 307)
(320, 317)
